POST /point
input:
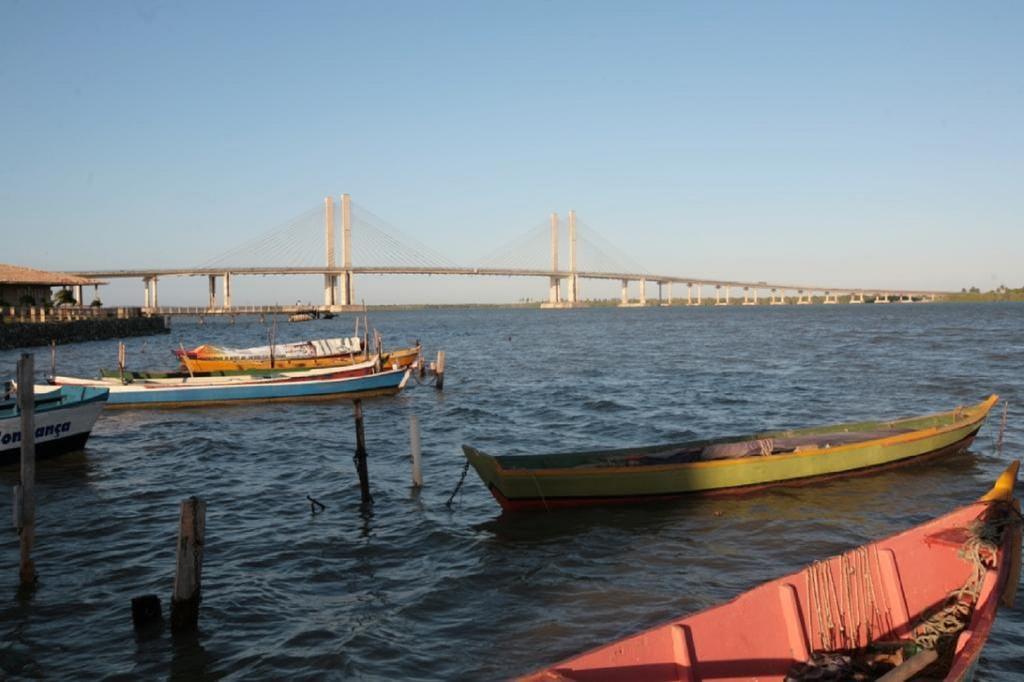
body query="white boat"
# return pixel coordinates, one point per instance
(63, 419)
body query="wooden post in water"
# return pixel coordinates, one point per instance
(439, 371)
(364, 475)
(24, 494)
(414, 446)
(189, 571)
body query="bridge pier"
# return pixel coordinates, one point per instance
(906, 298)
(330, 281)
(801, 299)
(213, 292)
(669, 285)
(78, 295)
(718, 290)
(227, 290)
(857, 298)
(625, 294)
(831, 298)
(347, 284)
(777, 299)
(643, 291)
(747, 300)
(881, 298)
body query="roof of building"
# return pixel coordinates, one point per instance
(15, 274)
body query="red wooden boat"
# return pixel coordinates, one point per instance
(921, 602)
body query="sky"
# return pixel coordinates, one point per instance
(843, 144)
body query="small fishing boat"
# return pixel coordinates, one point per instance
(114, 377)
(739, 463)
(919, 602)
(63, 419)
(238, 390)
(318, 353)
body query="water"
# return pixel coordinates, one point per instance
(416, 591)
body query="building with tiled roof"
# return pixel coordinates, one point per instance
(19, 285)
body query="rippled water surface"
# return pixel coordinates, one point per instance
(416, 591)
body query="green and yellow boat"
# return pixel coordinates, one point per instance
(722, 465)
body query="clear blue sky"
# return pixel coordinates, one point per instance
(843, 143)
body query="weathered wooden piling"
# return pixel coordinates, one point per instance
(189, 570)
(24, 494)
(122, 358)
(439, 371)
(360, 456)
(414, 446)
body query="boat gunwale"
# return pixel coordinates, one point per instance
(977, 413)
(65, 401)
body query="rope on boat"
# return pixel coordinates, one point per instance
(846, 638)
(980, 551)
(458, 487)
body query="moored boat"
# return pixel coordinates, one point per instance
(237, 390)
(63, 421)
(919, 602)
(317, 353)
(114, 377)
(629, 475)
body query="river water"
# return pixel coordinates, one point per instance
(414, 590)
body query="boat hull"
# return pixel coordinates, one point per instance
(888, 592)
(203, 395)
(60, 429)
(397, 359)
(527, 489)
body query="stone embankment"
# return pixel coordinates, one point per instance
(25, 334)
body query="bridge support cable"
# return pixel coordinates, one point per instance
(295, 243)
(527, 251)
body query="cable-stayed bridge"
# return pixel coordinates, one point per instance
(309, 244)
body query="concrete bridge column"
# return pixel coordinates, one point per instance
(152, 296)
(78, 294)
(330, 281)
(831, 298)
(700, 290)
(749, 300)
(625, 292)
(574, 279)
(227, 290)
(881, 298)
(801, 299)
(643, 291)
(553, 294)
(718, 294)
(689, 293)
(213, 292)
(145, 297)
(669, 293)
(347, 284)
(857, 298)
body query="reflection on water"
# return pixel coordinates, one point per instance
(415, 590)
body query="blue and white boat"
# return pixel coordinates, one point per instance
(236, 390)
(64, 419)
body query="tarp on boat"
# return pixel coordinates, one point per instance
(316, 348)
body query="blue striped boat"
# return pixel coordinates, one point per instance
(235, 391)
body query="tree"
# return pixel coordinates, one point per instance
(64, 297)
